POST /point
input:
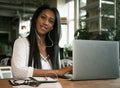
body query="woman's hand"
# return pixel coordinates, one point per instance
(64, 70)
(59, 72)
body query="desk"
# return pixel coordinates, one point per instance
(111, 83)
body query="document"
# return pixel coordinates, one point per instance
(36, 82)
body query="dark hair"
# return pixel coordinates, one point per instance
(34, 54)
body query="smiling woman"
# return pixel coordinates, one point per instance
(38, 53)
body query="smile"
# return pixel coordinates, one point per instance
(44, 27)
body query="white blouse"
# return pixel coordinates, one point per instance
(20, 59)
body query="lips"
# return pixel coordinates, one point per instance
(44, 27)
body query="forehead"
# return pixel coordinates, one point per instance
(48, 12)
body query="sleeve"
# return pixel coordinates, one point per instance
(19, 62)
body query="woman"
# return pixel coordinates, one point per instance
(37, 54)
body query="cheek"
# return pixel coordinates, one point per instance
(51, 26)
(37, 22)
(37, 25)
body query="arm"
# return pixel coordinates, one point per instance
(20, 67)
(19, 60)
(59, 72)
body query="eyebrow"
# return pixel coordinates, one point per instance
(47, 16)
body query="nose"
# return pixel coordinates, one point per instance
(46, 22)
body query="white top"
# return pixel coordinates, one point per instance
(20, 59)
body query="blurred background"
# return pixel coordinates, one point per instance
(80, 19)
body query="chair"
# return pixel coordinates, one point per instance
(66, 62)
(4, 61)
(5, 72)
(1, 76)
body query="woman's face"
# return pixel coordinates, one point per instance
(45, 21)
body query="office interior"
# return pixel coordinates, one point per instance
(96, 19)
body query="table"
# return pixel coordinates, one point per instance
(110, 83)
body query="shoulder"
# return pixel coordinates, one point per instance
(22, 40)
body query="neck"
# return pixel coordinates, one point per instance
(41, 40)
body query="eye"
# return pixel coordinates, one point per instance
(52, 21)
(42, 16)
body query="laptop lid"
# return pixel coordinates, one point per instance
(95, 59)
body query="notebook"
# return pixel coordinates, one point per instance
(93, 59)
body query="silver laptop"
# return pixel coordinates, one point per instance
(95, 59)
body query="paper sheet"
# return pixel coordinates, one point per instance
(45, 85)
(42, 85)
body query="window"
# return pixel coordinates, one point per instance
(24, 28)
(68, 29)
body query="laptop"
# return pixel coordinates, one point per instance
(95, 59)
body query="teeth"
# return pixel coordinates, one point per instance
(46, 27)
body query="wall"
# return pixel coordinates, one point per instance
(7, 33)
